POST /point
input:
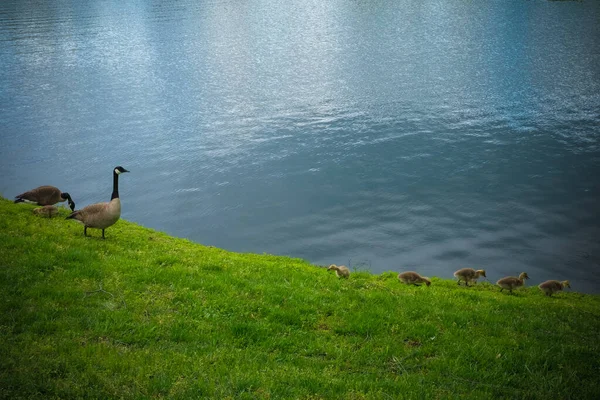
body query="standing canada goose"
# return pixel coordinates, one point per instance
(469, 275)
(510, 282)
(45, 196)
(101, 215)
(412, 278)
(551, 287)
(46, 211)
(341, 271)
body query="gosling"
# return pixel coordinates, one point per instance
(510, 282)
(469, 275)
(341, 271)
(46, 211)
(413, 278)
(551, 287)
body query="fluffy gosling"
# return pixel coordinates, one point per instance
(510, 282)
(551, 287)
(46, 211)
(469, 275)
(341, 271)
(413, 278)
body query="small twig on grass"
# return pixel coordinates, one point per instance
(86, 294)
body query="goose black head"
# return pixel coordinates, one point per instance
(67, 197)
(120, 170)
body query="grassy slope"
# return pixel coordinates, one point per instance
(142, 314)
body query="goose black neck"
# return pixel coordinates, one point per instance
(115, 193)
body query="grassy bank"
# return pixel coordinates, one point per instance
(145, 315)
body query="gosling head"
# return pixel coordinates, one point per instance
(566, 284)
(481, 272)
(523, 276)
(427, 281)
(332, 267)
(119, 170)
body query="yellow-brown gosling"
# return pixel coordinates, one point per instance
(101, 215)
(45, 196)
(46, 211)
(551, 287)
(510, 282)
(413, 278)
(469, 275)
(340, 270)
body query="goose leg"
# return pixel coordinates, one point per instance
(103, 234)
(85, 231)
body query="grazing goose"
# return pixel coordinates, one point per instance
(45, 196)
(46, 211)
(412, 278)
(101, 215)
(551, 287)
(469, 275)
(510, 282)
(341, 271)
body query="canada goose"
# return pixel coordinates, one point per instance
(101, 215)
(412, 278)
(551, 287)
(510, 282)
(46, 211)
(45, 196)
(469, 275)
(341, 271)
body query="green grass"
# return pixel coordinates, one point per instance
(145, 315)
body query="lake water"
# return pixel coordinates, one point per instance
(386, 134)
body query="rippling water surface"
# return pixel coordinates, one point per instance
(391, 135)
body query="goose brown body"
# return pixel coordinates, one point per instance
(45, 196)
(413, 278)
(340, 270)
(468, 275)
(99, 215)
(510, 282)
(552, 286)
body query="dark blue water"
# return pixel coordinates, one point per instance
(391, 135)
